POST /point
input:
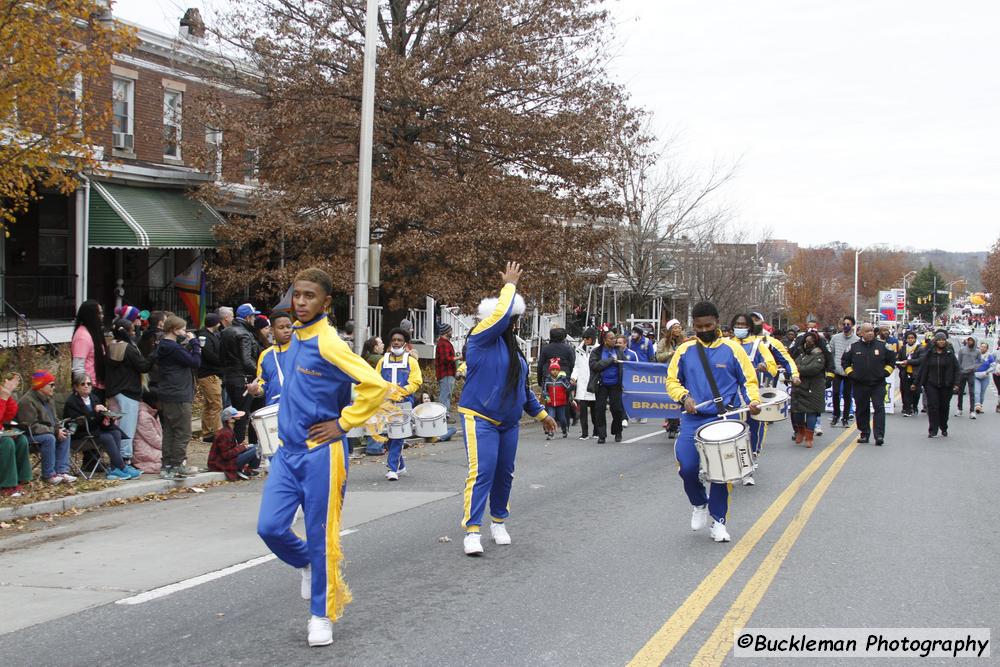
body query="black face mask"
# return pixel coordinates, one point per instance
(708, 337)
(756, 329)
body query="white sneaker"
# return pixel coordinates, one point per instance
(500, 534)
(67, 478)
(392, 476)
(320, 631)
(719, 532)
(305, 590)
(972, 415)
(624, 423)
(643, 420)
(958, 414)
(819, 429)
(473, 544)
(402, 471)
(748, 481)
(699, 517)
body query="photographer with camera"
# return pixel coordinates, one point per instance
(178, 356)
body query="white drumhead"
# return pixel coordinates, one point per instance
(429, 411)
(771, 394)
(724, 429)
(266, 411)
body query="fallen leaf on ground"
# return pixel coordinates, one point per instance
(444, 538)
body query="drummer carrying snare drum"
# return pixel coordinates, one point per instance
(689, 383)
(401, 369)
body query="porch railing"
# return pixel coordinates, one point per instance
(18, 330)
(43, 297)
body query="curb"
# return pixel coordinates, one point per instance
(92, 498)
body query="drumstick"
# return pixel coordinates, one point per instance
(747, 408)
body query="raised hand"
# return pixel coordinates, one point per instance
(512, 274)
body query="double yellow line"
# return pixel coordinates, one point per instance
(717, 647)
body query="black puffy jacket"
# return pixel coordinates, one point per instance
(938, 368)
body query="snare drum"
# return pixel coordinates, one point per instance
(399, 426)
(777, 411)
(430, 420)
(724, 451)
(265, 423)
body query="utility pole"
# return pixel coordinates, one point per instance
(365, 181)
(934, 304)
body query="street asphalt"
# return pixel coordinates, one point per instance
(602, 556)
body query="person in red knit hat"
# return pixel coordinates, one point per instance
(38, 414)
(555, 394)
(15, 467)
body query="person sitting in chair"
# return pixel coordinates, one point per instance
(93, 421)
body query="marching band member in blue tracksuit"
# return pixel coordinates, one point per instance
(778, 350)
(270, 376)
(644, 349)
(400, 369)
(763, 361)
(688, 385)
(496, 393)
(310, 468)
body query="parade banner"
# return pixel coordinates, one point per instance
(892, 388)
(644, 378)
(650, 406)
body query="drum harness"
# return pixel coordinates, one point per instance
(720, 407)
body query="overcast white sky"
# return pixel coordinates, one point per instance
(856, 120)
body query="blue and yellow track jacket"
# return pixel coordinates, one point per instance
(408, 377)
(487, 359)
(731, 368)
(761, 356)
(319, 371)
(270, 376)
(781, 355)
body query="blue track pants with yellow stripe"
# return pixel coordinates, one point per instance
(491, 449)
(757, 432)
(315, 479)
(395, 461)
(687, 457)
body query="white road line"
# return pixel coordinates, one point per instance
(169, 589)
(643, 437)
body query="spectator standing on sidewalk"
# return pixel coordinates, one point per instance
(178, 356)
(239, 362)
(38, 415)
(937, 376)
(15, 464)
(580, 378)
(226, 317)
(969, 359)
(445, 367)
(373, 350)
(210, 376)
(124, 368)
(88, 347)
(842, 387)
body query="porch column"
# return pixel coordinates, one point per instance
(81, 230)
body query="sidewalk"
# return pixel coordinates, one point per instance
(134, 489)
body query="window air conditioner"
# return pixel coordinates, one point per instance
(122, 141)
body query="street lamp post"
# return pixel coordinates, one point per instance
(907, 279)
(857, 254)
(363, 233)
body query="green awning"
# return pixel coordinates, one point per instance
(124, 216)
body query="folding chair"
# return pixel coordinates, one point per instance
(80, 446)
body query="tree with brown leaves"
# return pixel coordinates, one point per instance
(492, 140)
(991, 278)
(52, 53)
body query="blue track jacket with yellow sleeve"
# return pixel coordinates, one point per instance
(319, 372)
(781, 355)
(270, 375)
(731, 369)
(758, 353)
(487, 359)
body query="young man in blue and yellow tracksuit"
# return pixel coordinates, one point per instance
(310, 468)
(688, 385)
(270, 376)
(401, 370)
(764, 364)
(491, 406)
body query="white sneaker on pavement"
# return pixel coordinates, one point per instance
(972, 415)
(748, 481)
(305, 589)
(500, 534)
(958, 414)
(473, 544)
(392, 476)
(719, 532)
(67, 478)
(320, 631)
(699, 517)
(819, 429)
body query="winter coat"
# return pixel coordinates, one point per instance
(37, 413)
(177, 364)
(938, 368)
(75, 407)
(839, 344)
(222, 455)
(211, 354)
(123, 369)
(239, 351)
(559, 349)
(581, 373)
(556, 390)
(810, 395)
(147, 444)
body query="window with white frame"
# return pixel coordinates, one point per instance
(123, 120)
(213, 137)
(172, 104)
(70, 97)
(251, 165)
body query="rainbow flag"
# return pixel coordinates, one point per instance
(191, 288)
